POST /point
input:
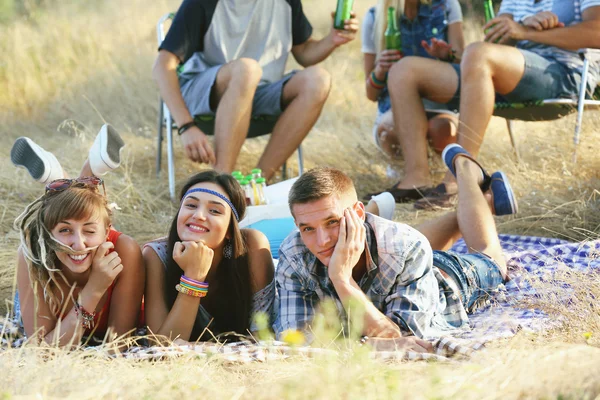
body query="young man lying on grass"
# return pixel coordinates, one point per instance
(408, 291)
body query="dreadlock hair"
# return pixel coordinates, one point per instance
(232, 287)
(38, 245)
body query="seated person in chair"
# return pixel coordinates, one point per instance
(344, 253)
(233, 56)
(529, 53)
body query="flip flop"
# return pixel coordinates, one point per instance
(105, 153)
(436, 199)
(503, 197)
(403, 195)
(452, 151)
(41, 164)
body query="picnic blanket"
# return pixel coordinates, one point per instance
(527, 258)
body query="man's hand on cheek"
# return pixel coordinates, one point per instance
(350, 246)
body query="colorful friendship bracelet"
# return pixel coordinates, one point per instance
(373, 82)
(190, 292)
(192, 287)
(193, 281)
(451, 56)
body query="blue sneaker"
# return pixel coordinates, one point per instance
(452, 151)
(504, 200)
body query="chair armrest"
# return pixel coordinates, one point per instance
(592, 55)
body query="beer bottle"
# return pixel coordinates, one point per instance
(393, 38)
(488, 8)
(342, 13)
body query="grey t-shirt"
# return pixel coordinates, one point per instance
(207, 33)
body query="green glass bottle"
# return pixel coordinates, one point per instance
(488, 8)
(342, 13)
(393, 38)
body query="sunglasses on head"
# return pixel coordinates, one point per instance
(91, 182)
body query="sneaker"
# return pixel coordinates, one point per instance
(503, 197)
(386, 204)
(41, 164)
(105, 153)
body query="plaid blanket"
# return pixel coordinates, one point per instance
(528, 258)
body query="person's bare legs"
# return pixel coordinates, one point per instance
(441, 131)
(441, 232)
(232, 96)
(410, 80)
(86, 170)
(475, 219)
(302, 100)
(486, 69)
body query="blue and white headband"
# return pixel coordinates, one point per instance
(219, 195)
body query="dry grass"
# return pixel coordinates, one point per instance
(78, 65)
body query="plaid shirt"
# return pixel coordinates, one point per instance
(400, 281)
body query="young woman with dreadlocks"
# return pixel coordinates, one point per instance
(76, 275)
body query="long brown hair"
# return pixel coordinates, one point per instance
(39, 246)
(232, 290)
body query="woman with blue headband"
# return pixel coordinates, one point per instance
(208, 277)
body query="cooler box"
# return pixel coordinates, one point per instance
(274, 219)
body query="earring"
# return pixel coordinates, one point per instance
(228, 250)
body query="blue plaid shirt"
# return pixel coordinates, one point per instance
(401, 281)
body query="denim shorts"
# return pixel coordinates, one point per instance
(544, 78)
(196, 94)
(476, 275)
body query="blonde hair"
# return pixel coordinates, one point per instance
(38, 245)
(381, 19)
(319, 183)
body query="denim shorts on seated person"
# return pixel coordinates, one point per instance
(476, 275)
(196, 92)
(544, 78)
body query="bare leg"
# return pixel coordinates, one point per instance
(410, 80)
(233, 92)
(475, 218)
(486, 68)
(442, 232)
(85, 169)
(441, 131)
(303, 98)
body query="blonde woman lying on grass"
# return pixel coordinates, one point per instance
(208, 277)
(76, 275)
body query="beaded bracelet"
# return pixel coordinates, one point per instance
(87, 318)
(190, 292)
(192, 287)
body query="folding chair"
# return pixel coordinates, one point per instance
(259, 125)
(551, 109)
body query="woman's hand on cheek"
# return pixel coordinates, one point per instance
(105, 267)
(194, 258)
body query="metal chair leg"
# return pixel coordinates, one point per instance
(300, 161)
(160, 138)
(580, 107)
(512, 139)
(170, 155)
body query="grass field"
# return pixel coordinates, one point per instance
(69, 69)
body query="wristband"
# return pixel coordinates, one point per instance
(451, 56)
(185, 127)
(376, 83)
